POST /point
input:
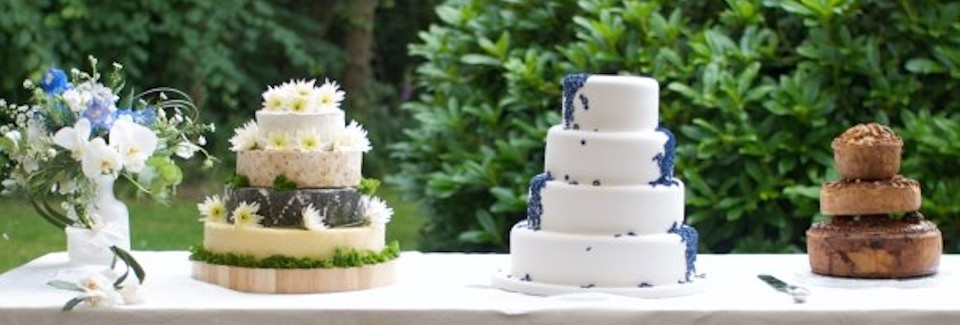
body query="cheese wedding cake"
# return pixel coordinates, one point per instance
(298, 217)
(876, 230)
(607, 214)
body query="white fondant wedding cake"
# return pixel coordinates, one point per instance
(607, 214)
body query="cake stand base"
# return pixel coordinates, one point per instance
(501, 280)
(295, 280)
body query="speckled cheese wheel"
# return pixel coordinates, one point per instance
(318, 169)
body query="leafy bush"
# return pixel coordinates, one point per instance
(756, 90)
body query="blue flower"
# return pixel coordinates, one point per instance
(100, 113)
(55, 82)
(146, 116)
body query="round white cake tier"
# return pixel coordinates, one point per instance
(609, 210)
(616, 103)
(311, 169)
(265, 242)
(326, 125)
(604, 158)
(597, 260)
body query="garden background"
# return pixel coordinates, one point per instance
(458, 95)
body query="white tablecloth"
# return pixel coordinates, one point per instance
(454, 289)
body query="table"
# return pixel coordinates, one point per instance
(454, 289)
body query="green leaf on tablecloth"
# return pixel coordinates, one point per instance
(72, 303)
(131, 262)
(343, 258)
(60, 284)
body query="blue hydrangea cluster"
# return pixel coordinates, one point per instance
(535, 206)
(55, 82)
(571, 85)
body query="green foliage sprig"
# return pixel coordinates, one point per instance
(282, 184)
(342, 258)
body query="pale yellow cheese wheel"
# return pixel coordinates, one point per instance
(299, 243)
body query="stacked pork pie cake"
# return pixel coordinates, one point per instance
(876, 230)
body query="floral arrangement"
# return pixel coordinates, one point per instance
(80, 132)
(301, 97)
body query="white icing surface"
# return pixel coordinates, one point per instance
(625, 261)
(325, 124)
(613, 158)
(608, 210)
(618, 103)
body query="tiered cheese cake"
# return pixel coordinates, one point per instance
(876, 230)
(298, 217)
(607, 214)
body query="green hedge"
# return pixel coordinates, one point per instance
(755, 91)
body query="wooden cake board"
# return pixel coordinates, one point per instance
(296, 280)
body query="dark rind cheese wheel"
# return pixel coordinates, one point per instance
(340, 206)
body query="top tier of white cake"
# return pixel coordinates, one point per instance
(609, 103)
(325, 124)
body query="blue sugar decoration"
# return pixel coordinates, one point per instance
(585, 102)
(631, 233)
(666, 159)
(644, 285)
(526, 277)
(689, 236)
(576, 126)
(571, 85)
(596, 130)
(589, 248)
(596, 182)
(617, 235)
(566, 177)
(574, 183)
(535, 207)
(583, 142)
(588, 286)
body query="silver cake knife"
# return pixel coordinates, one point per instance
(798, 293)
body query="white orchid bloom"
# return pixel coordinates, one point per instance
(76, 138)
(99, 292)
(101, 161)
(135, 143)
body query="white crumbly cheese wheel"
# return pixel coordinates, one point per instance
(317, 169)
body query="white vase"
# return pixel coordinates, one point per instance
(92, 246)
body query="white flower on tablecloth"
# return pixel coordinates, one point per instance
(329, 96)
(246, 138)
(376, 211)
(312, 219)
(99, 292)
(353, 138)
(135, 143)
(308, 141)
(213, 210)
(245, 215)
(278, 141)
(101, 161)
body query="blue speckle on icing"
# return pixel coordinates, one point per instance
(526, 277)
(689, 236)
(583, 142)
(589, 248)
(596, 182)
(571, 85)
(574, 183)
(566, 177)
(585, 102)
(587, 286)
(630, 233)
(576, 126)
(617, 235)
(535, 207)
(644, 285)
(666, 159)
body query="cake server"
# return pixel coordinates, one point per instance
(798, 293)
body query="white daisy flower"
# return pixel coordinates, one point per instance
(329, 96)
(299, 103)
(302, 88)
(278, 141)
(213, 210)
(275, 99)
(246, 137)
(376, 211)
(309, 141)
(312, 219)
(353, 138)
(245, 215)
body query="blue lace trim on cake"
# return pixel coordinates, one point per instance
(666, 159)
(690, 237)
(535, 207)
(571, 85)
